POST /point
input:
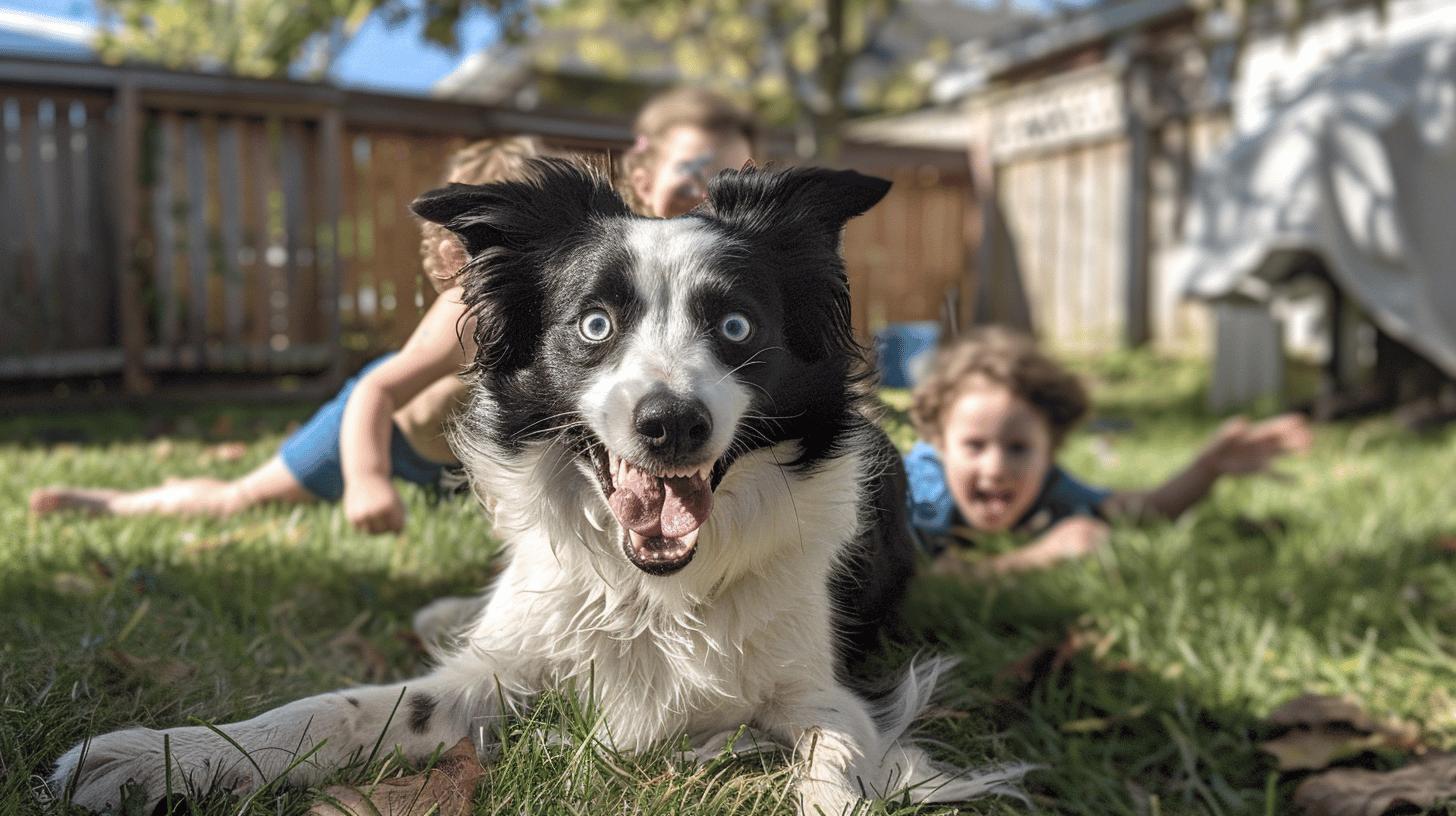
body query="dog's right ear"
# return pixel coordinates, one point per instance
(556, 197)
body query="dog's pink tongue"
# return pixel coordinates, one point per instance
(636, 501)
(688, 502)
(655, 507)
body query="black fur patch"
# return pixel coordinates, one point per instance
(352, 701)
(421, 708)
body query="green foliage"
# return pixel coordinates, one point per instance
(789, 59)
(269, 38)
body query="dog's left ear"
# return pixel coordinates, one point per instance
(558, 196)
(758, 199)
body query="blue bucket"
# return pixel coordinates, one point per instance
(898, 345)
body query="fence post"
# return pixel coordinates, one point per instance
(126, 139)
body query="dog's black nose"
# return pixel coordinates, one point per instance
(671, 426)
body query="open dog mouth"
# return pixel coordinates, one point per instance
(661, 510)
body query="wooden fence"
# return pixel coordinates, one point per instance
(163, 223)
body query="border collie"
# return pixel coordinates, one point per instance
(671, 423)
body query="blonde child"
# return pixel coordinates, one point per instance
(992, 415)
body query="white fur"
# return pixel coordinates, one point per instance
(741, 635)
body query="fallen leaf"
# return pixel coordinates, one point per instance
(1358, 792)
(445, 790)
(1445, 543)
(1322, 730)
(158, 670)
(1316, 710)
(1314, 750)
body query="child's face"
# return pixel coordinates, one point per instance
(997, 450)
(687, 157)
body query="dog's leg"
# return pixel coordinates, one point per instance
(830, 729)
(300, 742)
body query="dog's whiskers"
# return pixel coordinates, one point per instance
(753, 358)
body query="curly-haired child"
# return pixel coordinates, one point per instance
(992, 416)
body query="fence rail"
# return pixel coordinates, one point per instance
(161, 222)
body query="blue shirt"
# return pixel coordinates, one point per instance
(933, 510)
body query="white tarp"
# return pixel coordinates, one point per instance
(1360, 169)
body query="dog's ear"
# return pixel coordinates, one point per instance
(758, 199)
(556, 196)
(512, 230)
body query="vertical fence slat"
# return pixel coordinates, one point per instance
(69, 297)
(229, 194)
(164, 237)
(290, 168)
(259, 179)
(328, 260)
(126, 128)
(11, 337)
(36, 255)
(347, 235)
(197, 254)
(100, 216)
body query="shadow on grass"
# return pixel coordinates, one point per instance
(1113, 737)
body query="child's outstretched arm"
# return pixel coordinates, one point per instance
(1239, 448)
(440, 346)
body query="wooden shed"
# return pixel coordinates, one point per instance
(1085, 137)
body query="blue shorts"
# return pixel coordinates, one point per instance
(311, 453)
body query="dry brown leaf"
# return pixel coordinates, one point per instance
(445, 790)
(1358, 792)
(1319, 748)
(160, 670)
(1316, 710)
(1445, 543)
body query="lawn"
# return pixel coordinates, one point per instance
(1337, 579)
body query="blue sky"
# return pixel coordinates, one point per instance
(379, 57)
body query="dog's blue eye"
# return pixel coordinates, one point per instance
(735, 328)
(596, 325)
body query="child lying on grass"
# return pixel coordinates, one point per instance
(992, 415)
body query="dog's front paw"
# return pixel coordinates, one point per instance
(94, 772)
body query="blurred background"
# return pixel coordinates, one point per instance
(208, 196)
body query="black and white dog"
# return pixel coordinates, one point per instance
(703, 526)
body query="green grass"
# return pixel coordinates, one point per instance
(1329, 581)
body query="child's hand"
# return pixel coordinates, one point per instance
(1241, 448)
(1072, 538)
(373, 506)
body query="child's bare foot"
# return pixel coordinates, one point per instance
(47, 500)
